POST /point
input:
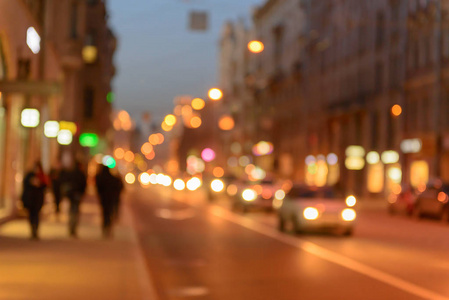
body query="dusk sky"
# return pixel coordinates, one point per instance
(158, 57)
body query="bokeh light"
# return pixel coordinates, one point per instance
(215, 94)
(218, 172)
(396, 110)
(130, 178)
(179, 185)
(146, 148)
(255, 46)
(217, 185)
(170, 120)
(208, 155)
(195, 122)
(198, 104)
(226, 122)
(119, 153)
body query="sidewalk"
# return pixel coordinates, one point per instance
(57, 267)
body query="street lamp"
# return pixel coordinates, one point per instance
(30, 117)
(215, 94)
(255, 46)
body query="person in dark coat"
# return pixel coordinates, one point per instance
(55, 177)
(34, 186)
(108, 189)
(73, 184)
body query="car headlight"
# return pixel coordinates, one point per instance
(348, 214)
(217, 185)
(249, 195)
(351, 201)
(311, 213)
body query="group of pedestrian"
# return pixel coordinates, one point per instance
(70, 182)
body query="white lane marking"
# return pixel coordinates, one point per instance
(328, 255)
(178, 215)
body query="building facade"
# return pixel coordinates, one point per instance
(42, 67)
(353, 92)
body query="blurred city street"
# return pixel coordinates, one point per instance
(224, 150)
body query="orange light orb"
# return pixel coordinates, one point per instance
(150, 155)
(129, 156)
(396, 110)
(198, 104)
(123, 116)
(186, 110)
(146, 148)
(195, 122)
(255, 46)
(226, 123)
(119, 153)
(215, 94)
(166, 127)
(170, 120)
(218, 172)
(153, 139)
(160, 137)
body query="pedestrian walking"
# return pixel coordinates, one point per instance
(108, 189)
(74, 186)
(55, 178)
(34, 186)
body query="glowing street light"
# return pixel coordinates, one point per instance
(51, 129)
(198, 104)
(30, 117)
(215, 94)
(65, 137)
(255, 46)
(170, 120)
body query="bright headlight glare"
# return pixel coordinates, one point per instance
(311, 213)
(217, 185)
(351, 201)
(348, 214)
(249, 195)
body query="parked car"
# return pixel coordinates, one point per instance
(433, 202)
(305, 208)
(255, 195)
(402, 200)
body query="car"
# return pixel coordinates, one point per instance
(252, 195)
(433, 201)
(402, 200)
(309, 208)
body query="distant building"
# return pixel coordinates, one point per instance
(369, 74)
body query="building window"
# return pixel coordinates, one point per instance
(89, 103)
(379, 77)
(380, 29)
(74, 21)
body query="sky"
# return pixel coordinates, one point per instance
(159, 58)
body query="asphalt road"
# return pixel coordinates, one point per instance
(198, 250)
